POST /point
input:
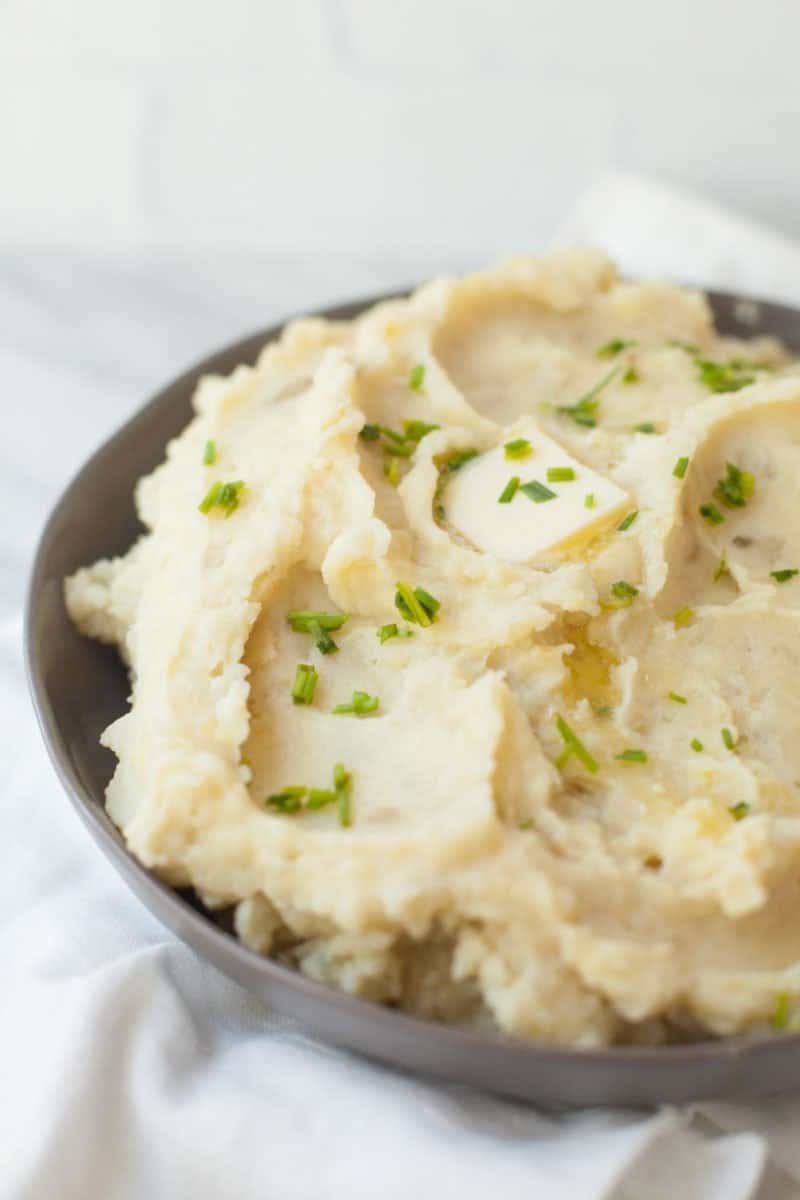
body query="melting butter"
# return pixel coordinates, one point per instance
(525, 530)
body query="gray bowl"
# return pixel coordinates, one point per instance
(80, 686)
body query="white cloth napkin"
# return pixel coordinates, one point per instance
(130, 1069)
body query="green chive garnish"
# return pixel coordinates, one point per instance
(537, 492)
(519, 448)
(320, 798)
(739, 811)
(509, 491)
(290, 800)
(391, 469)
(736, 488)
(780, 1013)
(360, 705)
(625, 593)
(417, 606)
(696, 745)
(560, 474)
(679, 470)
(783, 575)
(612, 348)
(727, 738)
(626, 522)
(370, 433)
(632, 756)
(456, 460)
(305, 681)
(584, 411)
(416, 377)
(645, 427)
(392, 631)
(210, 453)
(573, 745)
(318, 624)
(677, 697)
(633, 376)
(682, 617)
(726, 377)
(342, 786)
(588, 501)
(710, 513)
(226, 496)
(722, 567)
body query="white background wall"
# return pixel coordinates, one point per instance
(429, 128)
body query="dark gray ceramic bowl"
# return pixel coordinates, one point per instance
(80, 686)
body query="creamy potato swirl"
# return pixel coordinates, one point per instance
(531, 764)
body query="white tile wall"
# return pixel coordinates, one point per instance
(434, 127)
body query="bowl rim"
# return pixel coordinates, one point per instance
(462, 1039)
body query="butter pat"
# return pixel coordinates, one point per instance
(524, 530)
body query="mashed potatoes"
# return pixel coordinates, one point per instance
(465, 648)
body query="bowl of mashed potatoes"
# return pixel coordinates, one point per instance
(443, 686)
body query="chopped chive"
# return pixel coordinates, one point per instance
(342, 786)
(584, 411)
(527, 824)
(602, 710)
(727, 738)
(360, 705)
(710, 513)
(370, 433)
(725, 377)
(519, 448)
(290, 800)
(560, 474)
(322, 639)
(682, 617)
(415, 431)
(677, 697)
(509, 491)
(226, 496)
(391, 469)
(392, 631)
(612, 348)
(632, 756)
(633, 376)
(722, 567)
(320, 798)
(417, 606)
(317, 624)
(416, 377)
(696, 745)
(679, 470)
(624, 592)
(300, 619)
(736, 488)
(780, 1013)
(573, 745)
(305, 681)
(588, 500)
(645, 427)
(689, 347)
(626, 522)
(456, 460)
(210, 453)
(739, 811)
(785, 574)
(537, 491)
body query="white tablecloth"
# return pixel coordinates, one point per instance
(129, 1069)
